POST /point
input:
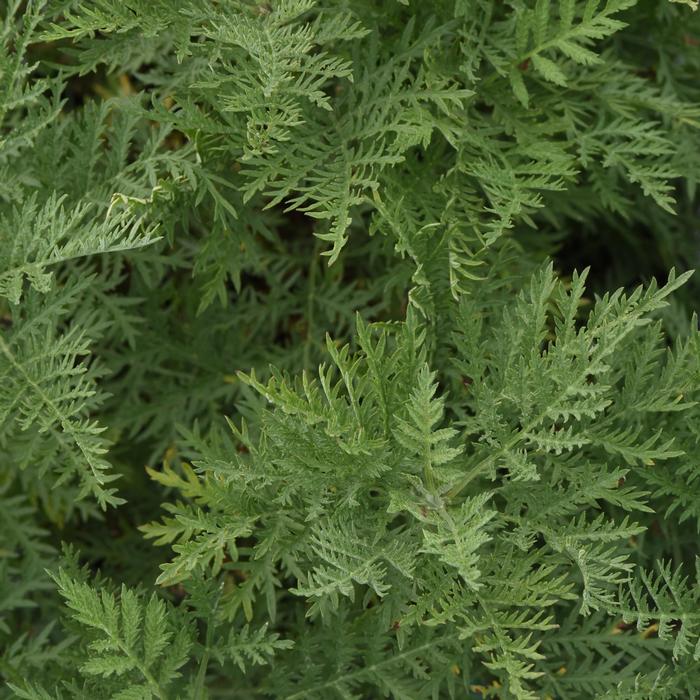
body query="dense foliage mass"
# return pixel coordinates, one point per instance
(332, 359)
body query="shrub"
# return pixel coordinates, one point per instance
(349, 308)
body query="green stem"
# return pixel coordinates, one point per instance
(150, 678)
(305, 693)
(199, 693)
(310, 301)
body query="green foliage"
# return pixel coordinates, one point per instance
(137, 643)
(331, 349)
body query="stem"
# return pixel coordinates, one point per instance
(310, 300)
(150, 679)
(305, 693)
(204, 662)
